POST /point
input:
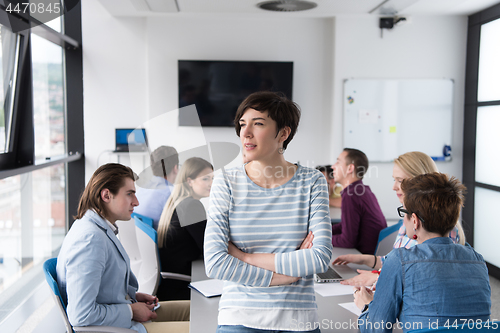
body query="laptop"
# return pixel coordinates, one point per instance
(335, 273)
(130, 139)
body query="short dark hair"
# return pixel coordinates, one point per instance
(163, 160)
(436, 198)
(359, 159)
(326, 169)
(279, 108)
(109, 176)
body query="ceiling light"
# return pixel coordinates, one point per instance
(286, 5)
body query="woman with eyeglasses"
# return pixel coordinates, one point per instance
(435, 283)
(406, 166)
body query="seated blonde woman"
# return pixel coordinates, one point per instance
(182, 226)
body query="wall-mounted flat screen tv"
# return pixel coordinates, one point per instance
(218, 87)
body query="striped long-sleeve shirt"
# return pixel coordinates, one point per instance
(263, 220)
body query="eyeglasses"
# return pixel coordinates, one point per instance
(402, 212)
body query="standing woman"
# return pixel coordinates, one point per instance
(181, 229)
(93, 269)
(270, 209)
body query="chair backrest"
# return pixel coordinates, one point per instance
(149, 274)
(49, 268)
(149, 221)
(386, 239)
(128, 238)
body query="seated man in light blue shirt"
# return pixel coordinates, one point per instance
(154, 194)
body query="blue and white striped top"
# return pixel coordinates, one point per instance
(263, 220)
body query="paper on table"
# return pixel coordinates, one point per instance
(332, 289)
(208, 288)
(351, 307)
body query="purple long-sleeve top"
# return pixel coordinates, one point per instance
(361, 219)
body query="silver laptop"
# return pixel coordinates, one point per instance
(335, 273)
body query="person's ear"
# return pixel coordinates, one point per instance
(285, 133)
(176, 168)
(189, 181)
(350, 169)
(415, 220)
(106, 195)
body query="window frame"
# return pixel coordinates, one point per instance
(20, 159)
(470, 121)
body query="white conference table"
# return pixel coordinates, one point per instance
(204, 310)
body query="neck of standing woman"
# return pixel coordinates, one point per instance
(270, 174)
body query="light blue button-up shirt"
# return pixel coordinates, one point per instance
(152, 198)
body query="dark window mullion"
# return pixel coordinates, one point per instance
(470, 121)
(75, 171)
(488, 186)
(489, 103)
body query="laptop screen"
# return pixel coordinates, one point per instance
(130, 139)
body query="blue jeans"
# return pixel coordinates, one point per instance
(244, 329)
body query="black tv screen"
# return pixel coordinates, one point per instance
(217, 88)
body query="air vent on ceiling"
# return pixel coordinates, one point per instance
(286, 5)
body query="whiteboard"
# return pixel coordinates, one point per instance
(387, 118)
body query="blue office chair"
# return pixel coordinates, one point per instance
(386, 239)
(491, 326)
(149, 221)
(49, 268)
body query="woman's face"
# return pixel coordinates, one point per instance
(258, 135)
(120, 206)
(202, 184)
(398, 174)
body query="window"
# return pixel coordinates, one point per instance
(48, 98)
(41, 145)
(481, 135)
(489, 66)
(8, 52)
(487, 143)
(32, 227)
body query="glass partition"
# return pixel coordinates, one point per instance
(32, 227)
(48, 98)
(487, 143)
(489, 66)
(486, 228)
(9, 43)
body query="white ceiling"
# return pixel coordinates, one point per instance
(325, 8)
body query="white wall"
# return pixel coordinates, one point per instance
(130, 74)
(306, 42)
(425, 47)
(115, 79)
